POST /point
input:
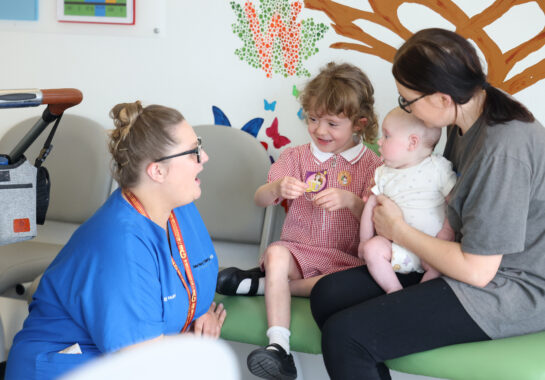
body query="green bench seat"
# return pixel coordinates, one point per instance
(246, 322)
(516, 358)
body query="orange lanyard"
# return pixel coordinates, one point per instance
(191, 294)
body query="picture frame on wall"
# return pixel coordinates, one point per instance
(97, 11)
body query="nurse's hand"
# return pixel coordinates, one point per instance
(386, 217)
(209, 324)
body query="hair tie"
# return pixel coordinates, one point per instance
(486, 85)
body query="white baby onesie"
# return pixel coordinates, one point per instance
(420, 192)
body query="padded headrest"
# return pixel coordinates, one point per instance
(238, 165)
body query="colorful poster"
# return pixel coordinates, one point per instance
(96, 11)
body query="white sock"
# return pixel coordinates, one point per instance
(279, 335)
(244, 286)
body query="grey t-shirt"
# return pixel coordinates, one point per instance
(498, 207)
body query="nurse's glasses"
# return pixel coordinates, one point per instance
(196, 151)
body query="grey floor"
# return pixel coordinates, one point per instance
(309, 367)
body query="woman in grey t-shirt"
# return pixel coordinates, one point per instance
(493, 273)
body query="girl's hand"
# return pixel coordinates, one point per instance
(210, 323)
(333, 199)
(386, 217)
(290, 188)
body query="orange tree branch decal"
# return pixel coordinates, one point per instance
(273, 38)
(385, 14)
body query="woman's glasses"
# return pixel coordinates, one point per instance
(196, 151)
(404, 103)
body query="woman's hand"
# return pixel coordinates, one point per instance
(387, 216)
(210, 323)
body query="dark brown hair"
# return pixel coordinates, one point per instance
(343, 88)
(437, 60)
(140, 135)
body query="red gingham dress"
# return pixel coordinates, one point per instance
(323, 242)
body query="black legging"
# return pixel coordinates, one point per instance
(362, 326)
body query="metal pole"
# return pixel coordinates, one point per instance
(17, 152)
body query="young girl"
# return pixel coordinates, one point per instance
(320, 233)
(418, 181)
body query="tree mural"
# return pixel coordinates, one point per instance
(273, 39)
(385, 14)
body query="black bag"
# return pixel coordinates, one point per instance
(43, 183)
(43, 187)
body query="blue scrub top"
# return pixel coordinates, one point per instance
(111, 286)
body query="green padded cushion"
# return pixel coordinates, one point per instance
(516, 358)
(246, 322)
(520, 357)
(374, 147)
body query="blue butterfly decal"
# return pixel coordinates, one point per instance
(219, 117)
(252, 127)
(300, 114)
(269, 106)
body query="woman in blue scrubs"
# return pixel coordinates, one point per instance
(142, 267)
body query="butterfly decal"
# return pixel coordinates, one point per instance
(278, 140)
(300, 114)
(295, 91)
(252, 127)
(269, 106)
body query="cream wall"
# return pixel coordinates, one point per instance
(180, 53)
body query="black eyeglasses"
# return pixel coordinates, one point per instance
(196, 151)
(404, 103)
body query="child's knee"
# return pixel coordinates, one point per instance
(377, 249)
(276, 257)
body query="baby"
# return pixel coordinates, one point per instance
(418, 181)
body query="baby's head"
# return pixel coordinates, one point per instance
(405, 140)
(342, 90)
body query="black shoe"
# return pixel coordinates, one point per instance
(272, 364)
(229, 279)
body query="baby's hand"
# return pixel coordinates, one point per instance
(333, 199)
(291, 188)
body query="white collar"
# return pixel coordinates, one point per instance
(351, 155)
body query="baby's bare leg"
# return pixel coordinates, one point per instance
(378, 256)
(430, 272)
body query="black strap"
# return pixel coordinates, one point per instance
(254, 284)
(47, 145)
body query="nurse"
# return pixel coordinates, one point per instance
(141, 268)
